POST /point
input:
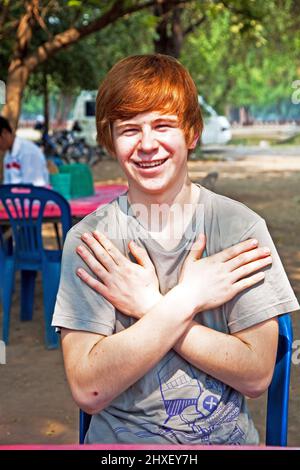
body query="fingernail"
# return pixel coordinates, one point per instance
(254, 242)
(267, 251)
(79, 272)
(98, 234)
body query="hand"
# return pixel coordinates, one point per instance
(212, 281)
(132, 288)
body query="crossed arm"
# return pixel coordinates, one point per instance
(95, 364)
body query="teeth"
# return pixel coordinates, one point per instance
(151, 164)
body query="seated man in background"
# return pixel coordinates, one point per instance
(24, 162)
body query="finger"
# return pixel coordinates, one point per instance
(140, 254)
(111, 249)
(95, 284)
(248, 257)
(197, 248)
(237, 249)
(100, 253)
(250, 281)
(250, 268)
(90, 260)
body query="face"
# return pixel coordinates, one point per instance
(152, 151)
(6, 140)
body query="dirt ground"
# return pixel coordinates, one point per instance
(36, 406)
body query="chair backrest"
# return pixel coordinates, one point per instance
(25, 205)
(84, 422)
(278, 392)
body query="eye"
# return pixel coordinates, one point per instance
(130, 131)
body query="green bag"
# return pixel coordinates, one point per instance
(61, 182)
(82, 184)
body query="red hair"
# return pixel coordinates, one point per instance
(143, 83)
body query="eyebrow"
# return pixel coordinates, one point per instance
(166, 118)
(158, 119)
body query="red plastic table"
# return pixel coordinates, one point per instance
(82, 206)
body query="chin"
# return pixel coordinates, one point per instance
(154, 188)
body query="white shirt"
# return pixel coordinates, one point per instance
(25, 163)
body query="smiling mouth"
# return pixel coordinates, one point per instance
(151, 164)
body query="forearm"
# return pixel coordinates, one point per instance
(225, 357)
(222, 356)
(118, 361)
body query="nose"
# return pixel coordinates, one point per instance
(148, 141)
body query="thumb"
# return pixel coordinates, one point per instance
(197, 248)
(140, 254)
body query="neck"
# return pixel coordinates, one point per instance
(164, 205)
(180, 193)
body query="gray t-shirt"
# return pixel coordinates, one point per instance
(174, 402)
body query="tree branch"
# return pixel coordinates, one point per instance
(4, 13)
(240, 11)
(12, 26)
(193, 26)
(24, 31)
(39, 18)
(72, 35)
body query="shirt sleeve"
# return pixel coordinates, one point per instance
(271, 297)
(78, 307)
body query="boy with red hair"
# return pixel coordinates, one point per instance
(171, 319)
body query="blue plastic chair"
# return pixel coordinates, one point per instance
(84, 423)
(279, 389)
(278, 392)
(2, 255)
(25, 205)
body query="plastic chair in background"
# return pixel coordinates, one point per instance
(278, 392)
(279, 389)
(25, 206)
(84, 423)
(2, 255)
(5, 249)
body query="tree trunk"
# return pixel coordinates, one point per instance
(46, 102)
(63, 108)
(17, 78)
(68, 103)
(16, 81)
(169, 30)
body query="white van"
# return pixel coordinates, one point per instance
(217, 130)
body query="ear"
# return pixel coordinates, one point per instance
(194, 142)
